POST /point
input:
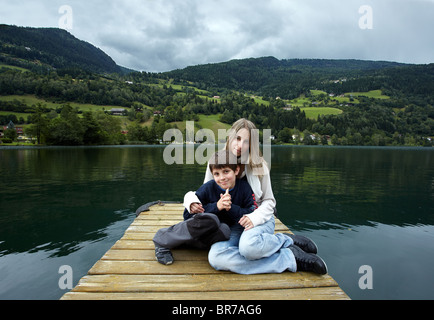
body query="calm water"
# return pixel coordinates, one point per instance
(362, 206)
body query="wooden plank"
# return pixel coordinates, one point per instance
(147, 267)
(326, 293)
(160, 223)
(133, 244)
(142, 229)
(175, 216)
(176, 283)
(149, 255)
(138, 236)
(166, 208)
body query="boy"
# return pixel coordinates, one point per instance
(225, 200)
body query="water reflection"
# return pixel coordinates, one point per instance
(56, 198)
(363, 206)
(353, 185)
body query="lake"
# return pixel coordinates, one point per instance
(362, 206)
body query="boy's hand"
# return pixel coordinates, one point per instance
(246, 223)
(196, 208)
(225, 201)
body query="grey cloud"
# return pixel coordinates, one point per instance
(164, 35)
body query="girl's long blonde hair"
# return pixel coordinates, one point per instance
(256, 160)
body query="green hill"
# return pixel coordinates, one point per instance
(50, 48)
(288, 79)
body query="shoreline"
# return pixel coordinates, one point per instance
(41, 146)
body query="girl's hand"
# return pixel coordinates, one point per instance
(246, 223)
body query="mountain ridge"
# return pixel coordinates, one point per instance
(53, 48)
(289, 78)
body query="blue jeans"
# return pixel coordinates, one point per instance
(255, 251)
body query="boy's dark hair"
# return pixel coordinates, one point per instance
(223, 159)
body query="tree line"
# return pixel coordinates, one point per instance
(92, 128)
(401, 120)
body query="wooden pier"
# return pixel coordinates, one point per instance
(129, 271)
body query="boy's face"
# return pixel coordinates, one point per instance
(225, 177)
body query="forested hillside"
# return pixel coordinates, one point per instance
(289, 79)
(51, 48)
(64, 96)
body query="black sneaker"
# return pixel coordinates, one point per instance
(163, 255)
(304, 243)
(308, 261)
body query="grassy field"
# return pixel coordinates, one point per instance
(350, 97)
(12, 67)
(327, 108)
(259, 100)
(313, 113)
(206, 122)
(376, 94)
(33, 100)
(300, 101)
(179, 87)
(17, 114)
(317, 92)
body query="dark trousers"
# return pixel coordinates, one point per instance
(201, 231)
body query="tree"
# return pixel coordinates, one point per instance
(10, 134)
(308, 139)
(92, 130)
(324, 141)
(227, 117)
(40, 123)
(329, 129)
(285, 135)
(136, 132)
(110, 127)
(66, 130)
(335, 140)
(296, 136)
(357, 139)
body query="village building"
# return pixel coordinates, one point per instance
(118, 111)
(18, 129)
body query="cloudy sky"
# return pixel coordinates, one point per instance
(162, 35)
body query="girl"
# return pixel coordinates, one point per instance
(253, 247)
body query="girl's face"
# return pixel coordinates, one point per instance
(241, 143)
